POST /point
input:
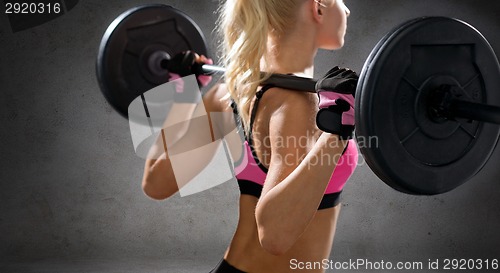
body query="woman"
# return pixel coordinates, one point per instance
(289, 203)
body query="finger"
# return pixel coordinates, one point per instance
(204, 60)
(332, 70)
(336, 73)
(349, 74)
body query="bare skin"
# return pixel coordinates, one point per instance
(284, 224)
(316, 237)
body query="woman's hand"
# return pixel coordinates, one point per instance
(336, 102)
(182, 64)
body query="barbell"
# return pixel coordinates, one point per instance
(426, 101)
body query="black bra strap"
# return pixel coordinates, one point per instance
(258, 96)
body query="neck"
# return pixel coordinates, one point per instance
(293, 53)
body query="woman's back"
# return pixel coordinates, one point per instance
(245, 251)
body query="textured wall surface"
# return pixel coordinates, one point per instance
(70, 181)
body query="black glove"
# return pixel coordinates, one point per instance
(184, 64)
(339, 80)
(336, 102)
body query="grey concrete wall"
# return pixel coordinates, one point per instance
(70, 182)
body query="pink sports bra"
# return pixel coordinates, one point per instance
(251, 174)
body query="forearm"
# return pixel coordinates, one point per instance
(284, 212)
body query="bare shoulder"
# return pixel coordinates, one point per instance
(216, 99)
(292, 109)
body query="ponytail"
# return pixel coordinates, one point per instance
(245, 26)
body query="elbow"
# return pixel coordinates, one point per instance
(154, 192)
(272, 238)
(276, 244)
(158, 181)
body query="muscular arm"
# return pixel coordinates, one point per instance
(294, 187)
(159, 181)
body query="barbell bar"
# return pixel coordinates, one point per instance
(426, 101)
(440, 104)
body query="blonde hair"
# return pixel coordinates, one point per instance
(245, 26)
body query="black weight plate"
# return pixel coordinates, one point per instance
(365, 141)
(130, 50)
(401, 143)
(375, 50)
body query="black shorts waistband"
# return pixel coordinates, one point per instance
(225, 267)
